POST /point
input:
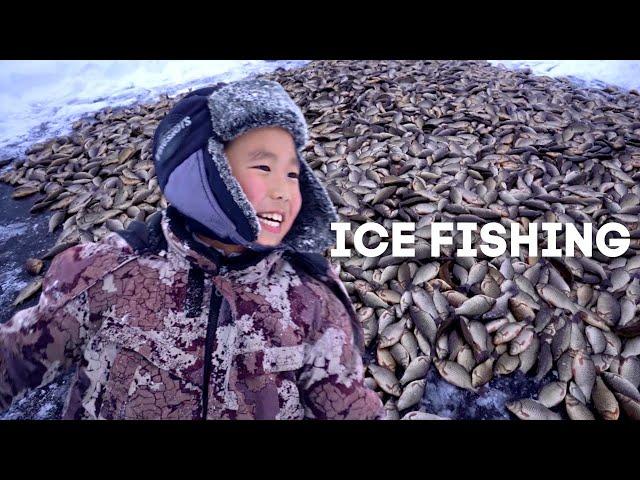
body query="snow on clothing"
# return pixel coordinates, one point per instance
(162, 327)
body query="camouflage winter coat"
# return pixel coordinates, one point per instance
(163, 330)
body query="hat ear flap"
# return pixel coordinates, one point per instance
(229, 193)
(311, 231)
(197, 179)
(182, 132)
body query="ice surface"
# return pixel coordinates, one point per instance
(10, 272)
(43, 403)
(10, 283)
(8, 232)
(446, 400)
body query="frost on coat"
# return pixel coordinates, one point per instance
(283, 347)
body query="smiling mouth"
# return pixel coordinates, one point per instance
(272, 221)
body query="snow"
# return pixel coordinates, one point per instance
(41, 99)
(42, 403)
(11, 272)
(587, 73)
(12, 230)
(10, 283)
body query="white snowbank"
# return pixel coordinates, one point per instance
(591, 73)
(41, 99)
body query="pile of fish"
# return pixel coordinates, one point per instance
(95, 180)
(424, 142)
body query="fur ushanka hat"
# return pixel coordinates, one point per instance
(195, 176)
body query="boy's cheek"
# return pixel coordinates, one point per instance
(296, 206)
(254, 190)
(297, 209)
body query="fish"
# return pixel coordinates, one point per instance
(454, 373)
(528, 409)
(27, 292)
(412, 394)
(552, 394)
(417, 369)
(482, 373)
(584, 373)
(576, 409)
(423, 416)
(605, 401)
(391, 334)
(475, 306)
(386, 380)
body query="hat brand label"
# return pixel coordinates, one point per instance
(175, 130)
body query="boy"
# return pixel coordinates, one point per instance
(221, 306)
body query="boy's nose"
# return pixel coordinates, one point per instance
(279, 195)
(279, 192)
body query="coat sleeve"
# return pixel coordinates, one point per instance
(40, 342)
(332, 377)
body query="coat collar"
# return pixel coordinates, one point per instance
(182, 244)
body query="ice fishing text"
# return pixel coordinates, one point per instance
(494, 245)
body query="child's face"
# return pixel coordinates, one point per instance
(265, 163)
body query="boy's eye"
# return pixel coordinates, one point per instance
(263, 167)
(293, 175)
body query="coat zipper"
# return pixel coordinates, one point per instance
(212, 325)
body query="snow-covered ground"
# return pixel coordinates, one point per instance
(41, 99)
(591, 73)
